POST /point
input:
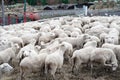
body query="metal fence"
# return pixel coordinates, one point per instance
(43, 15)
(57, 13)
(104, 12)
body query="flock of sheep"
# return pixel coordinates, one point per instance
(45, 46)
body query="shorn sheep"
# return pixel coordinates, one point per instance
(104, 55)
(8, 54)
(81, 56)
(55, 60)
(76, 42)
(115, 48)
(32, 64)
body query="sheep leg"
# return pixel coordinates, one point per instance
(46, 71)
(21, 73)
(76, 64)
(73, 64)
(53, 70)
(91, 69)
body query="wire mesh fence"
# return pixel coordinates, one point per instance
(43, 14)
(104, 12)
(57, 13)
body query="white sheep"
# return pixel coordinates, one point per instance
(8, 54)
(115, 48)
(97, 30)
(76, 42)
(46, 37)
(32, 63)
(74, 34)
(112, 37)
(30, 36)
(93, 38)
(17, 40)
(55, 60)
(102, 38)
(4, 43)
(104, 55)
(5, 69)
(68, 52)
(45, 28)
(82, 56)
(28, 48)
(90, 43)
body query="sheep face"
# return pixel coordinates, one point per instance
(6, 68)
(38, 47)
(52, 35)
(114, 66)
(4, 42)
(109, 39)
(16, 46)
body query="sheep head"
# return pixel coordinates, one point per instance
(114, 66)
(6, 68)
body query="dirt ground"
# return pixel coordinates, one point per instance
(84, 73)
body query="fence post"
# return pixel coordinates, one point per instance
(8, 19)
(25, 11)
(3, 13)
(85, 10)
(16, 18)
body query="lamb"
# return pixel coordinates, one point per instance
(74, 34)
(54, 23)
(76, 42)
(28, 37)
(68, 52)
(102, 38)
(8, 54)
(104, 55)
(97, 30)
(90, 43)
(46, 37)
(115, 48)
(59, 33)
(115, 25)
(5, 69)
(71, 29)
(45, 28)
(93, 38)
(23, 51)
(109, 39)
(4, 44)
(32, 63)
(82, 56)
(55, 60)
(112, 37)
(17, 40)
